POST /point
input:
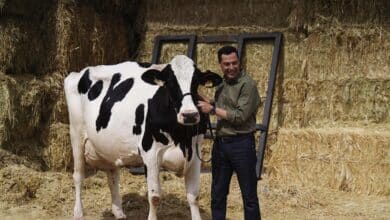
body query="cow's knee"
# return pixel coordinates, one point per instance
(156, 200)
(154, 197)
(78, 177)
(192, 199)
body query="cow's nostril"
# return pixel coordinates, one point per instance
(190, 115)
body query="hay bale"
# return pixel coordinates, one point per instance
(27, 104)
(6, 114)
(346, 159)
(44, 36)
(294, 14)
(56, 109)
(26, 37)
(94, 33)
(343, 52)
(57, 154)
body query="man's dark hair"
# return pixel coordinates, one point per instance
(226, 50)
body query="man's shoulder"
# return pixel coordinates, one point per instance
(248, 79)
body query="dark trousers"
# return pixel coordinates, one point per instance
(238, 154)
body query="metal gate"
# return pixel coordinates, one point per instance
(241, 39)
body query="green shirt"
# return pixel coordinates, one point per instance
(241, 101)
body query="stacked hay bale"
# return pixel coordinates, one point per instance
(346, 159)
(330, 119)
(40, 43)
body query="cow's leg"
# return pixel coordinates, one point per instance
(192, 181)
(152, 164)
(75, 127)
(79, 170)
(113, 183)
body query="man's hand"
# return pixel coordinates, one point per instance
(204, 98)
(204, 107)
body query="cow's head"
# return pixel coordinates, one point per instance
(179, 82)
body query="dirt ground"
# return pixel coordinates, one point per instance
(28, 194)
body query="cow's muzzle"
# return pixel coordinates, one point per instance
(190, 117)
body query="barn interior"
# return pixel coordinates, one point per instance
(328, 148)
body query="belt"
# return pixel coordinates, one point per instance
(233, 138)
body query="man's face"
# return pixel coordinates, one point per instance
(230, 65)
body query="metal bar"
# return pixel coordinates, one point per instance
(176, 37)
(158, 40)
(156, 50)
(191, 47)
(240, 47)
(268, 103)
(261, 36)
(218, 39)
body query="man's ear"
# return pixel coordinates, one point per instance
(156, 77)
(209, 79)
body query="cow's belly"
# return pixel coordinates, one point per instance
(173, 160)
(114, 148)
(115, 144)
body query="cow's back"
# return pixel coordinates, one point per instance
(103, 102)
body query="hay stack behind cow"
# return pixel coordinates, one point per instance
(129, 113)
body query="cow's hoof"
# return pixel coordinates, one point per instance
(120, 216)
(155, 200)
(78, 217)
(118, 212)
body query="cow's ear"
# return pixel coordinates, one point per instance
(156, 77)
(209, 79)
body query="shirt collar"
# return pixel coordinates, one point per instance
(236, 80)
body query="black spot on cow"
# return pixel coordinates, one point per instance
(84, 83)
(152, 132)
(160, 137)
(113, 95)
(147, 139)
(144, 64)
(95, 90)
(161, 115)
(139, 119)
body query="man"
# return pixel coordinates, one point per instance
(236, 104)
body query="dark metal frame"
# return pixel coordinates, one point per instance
(240, 40)
(159, 40)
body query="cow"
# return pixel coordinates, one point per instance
(137, 114)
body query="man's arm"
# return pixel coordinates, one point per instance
(248, 102)
(206, 107)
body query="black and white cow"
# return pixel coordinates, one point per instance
(128, 114)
